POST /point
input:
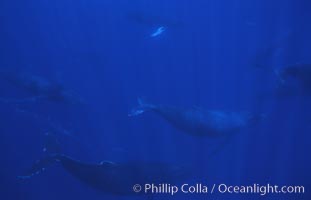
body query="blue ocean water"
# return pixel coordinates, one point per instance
(75, 69)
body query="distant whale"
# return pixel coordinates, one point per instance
(158, 32)
(199, 122)
(298, 75)
(39, 88)
(292, 81)
(110, 177)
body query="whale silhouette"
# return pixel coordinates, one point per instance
(298, 75)
(292, 81)
(39, 88)
(199, 122)
(110, 177)
(158, 32)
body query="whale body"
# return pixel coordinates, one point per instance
(293, 80)
(110, 177)
(158, 32)
(199, 122)
(39, 88)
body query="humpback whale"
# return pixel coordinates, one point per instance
(299, 73)
(293, 80)
(158, 32)
(39, 88)
(197, 121)
(110, 177)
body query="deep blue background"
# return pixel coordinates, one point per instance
(205, 58)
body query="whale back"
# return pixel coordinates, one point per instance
(98, 176)
(119, 178)
(197, 121)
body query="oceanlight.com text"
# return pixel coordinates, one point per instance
(200, 188)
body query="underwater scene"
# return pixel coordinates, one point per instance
(155, 99)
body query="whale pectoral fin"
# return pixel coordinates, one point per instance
(141, 108)
(39, 166)
(136, 112)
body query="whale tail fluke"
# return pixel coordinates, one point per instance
(141, 108)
